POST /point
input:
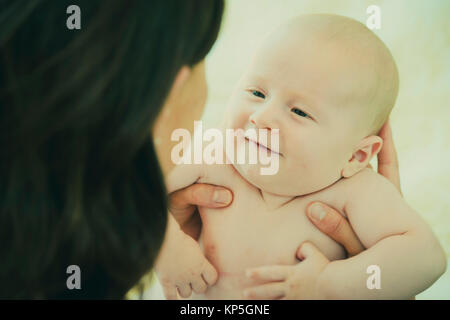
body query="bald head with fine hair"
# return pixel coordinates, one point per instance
(360, 66)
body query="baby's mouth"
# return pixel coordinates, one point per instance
(259, 145)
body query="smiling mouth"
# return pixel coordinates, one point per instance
(262, 146)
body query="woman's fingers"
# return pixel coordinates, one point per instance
(387, 157)
(183, 204)
(333, 224)
(204, 195)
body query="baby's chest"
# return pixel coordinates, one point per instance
(248, 233)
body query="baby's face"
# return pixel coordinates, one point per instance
(307, 92)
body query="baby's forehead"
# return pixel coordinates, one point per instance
(292, 54)
(324, 41)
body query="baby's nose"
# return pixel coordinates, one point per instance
(253, 121)
(264, 119)
(258, 123)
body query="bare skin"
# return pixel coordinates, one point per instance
(184, 202)
(334, 224)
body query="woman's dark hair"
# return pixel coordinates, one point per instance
(80, 182)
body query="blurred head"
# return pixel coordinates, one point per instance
(81, 183)
(184, 105)
(328, 84)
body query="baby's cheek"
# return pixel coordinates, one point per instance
(306, 158)
(234, 119)
(307, 167)
(239, 113)
(292, 172)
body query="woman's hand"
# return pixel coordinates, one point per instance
(331, 222)
(183, 205)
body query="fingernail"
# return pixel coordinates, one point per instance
(317, 211)
(222, 196)
(248, 273)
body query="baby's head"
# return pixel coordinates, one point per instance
(328, 84)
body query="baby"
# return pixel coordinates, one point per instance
(328, 84)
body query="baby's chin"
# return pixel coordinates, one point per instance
(284, 184)
(251, 173)
(273, 184)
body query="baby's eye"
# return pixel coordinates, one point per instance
(299, 112)
(258, 94)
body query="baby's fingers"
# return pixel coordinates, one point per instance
(209, 274)
(184, 289)
(170, 292)
(199, 285)
(270, 273)
(273, 290)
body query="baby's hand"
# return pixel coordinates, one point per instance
(290, 282)
(181, 265)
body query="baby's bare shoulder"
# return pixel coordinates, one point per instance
(341, 192)
(365, 186)
(365, 181)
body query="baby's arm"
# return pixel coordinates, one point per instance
(181, 264)
(399, 242)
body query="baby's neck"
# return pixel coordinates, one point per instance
(275, 201)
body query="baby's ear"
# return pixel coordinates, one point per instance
(365, 151)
